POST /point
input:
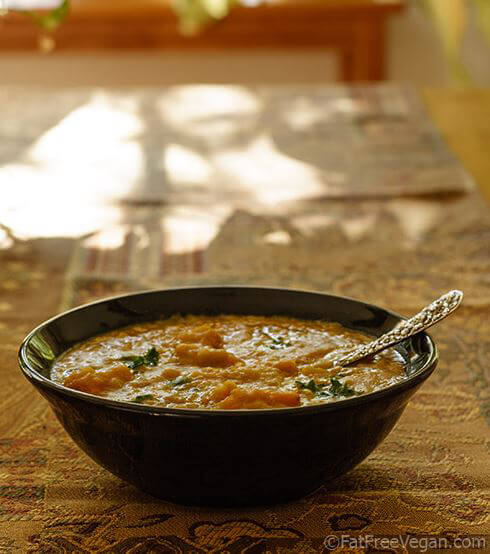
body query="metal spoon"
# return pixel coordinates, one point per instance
(431, 314)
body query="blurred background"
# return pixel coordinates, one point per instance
(160, 42)
(65, 66)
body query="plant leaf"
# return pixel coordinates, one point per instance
(142, 398)
(483, 17)
(151, 357)
(194, 15)
(52, 19)
(450, 19)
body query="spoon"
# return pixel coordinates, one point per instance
(431, 314)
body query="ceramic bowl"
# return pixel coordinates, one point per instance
(223, 457)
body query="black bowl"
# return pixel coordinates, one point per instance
(223, 457)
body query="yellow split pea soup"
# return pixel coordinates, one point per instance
(225, 362)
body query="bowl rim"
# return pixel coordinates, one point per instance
(38, 379)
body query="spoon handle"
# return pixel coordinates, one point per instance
(434, 312)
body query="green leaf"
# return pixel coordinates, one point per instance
(483, 17)
(132, 361)
(277, 342)
(149, 359)
(311, 385)
(52, 19)
(152, 357)
(339, 389)
(336, 388)
(180, 381)
(451, 21)
(142, 398)
(194, 15)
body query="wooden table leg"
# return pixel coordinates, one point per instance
(363, 59)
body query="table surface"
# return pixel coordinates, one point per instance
(344, 190)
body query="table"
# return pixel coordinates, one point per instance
(106, 191)
(353, 28)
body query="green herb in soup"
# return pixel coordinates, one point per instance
(141, 398)
(149, 359)
(333, 388)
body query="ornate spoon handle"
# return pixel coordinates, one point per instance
(434, 312)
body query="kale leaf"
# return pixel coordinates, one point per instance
(142, 397)
(340, 389)
(336, 388)
(150, 358)
(181, 380)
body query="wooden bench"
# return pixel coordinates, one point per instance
(354, 28)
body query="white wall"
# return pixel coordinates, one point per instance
(163, 68)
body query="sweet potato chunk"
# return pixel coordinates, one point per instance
(288, 367)
(222, 391)
(203, 356)
(96, 381)
(203, 335)
(171, 373)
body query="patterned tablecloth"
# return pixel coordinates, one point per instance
(349, 191)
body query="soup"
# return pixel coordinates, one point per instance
(225, 362)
